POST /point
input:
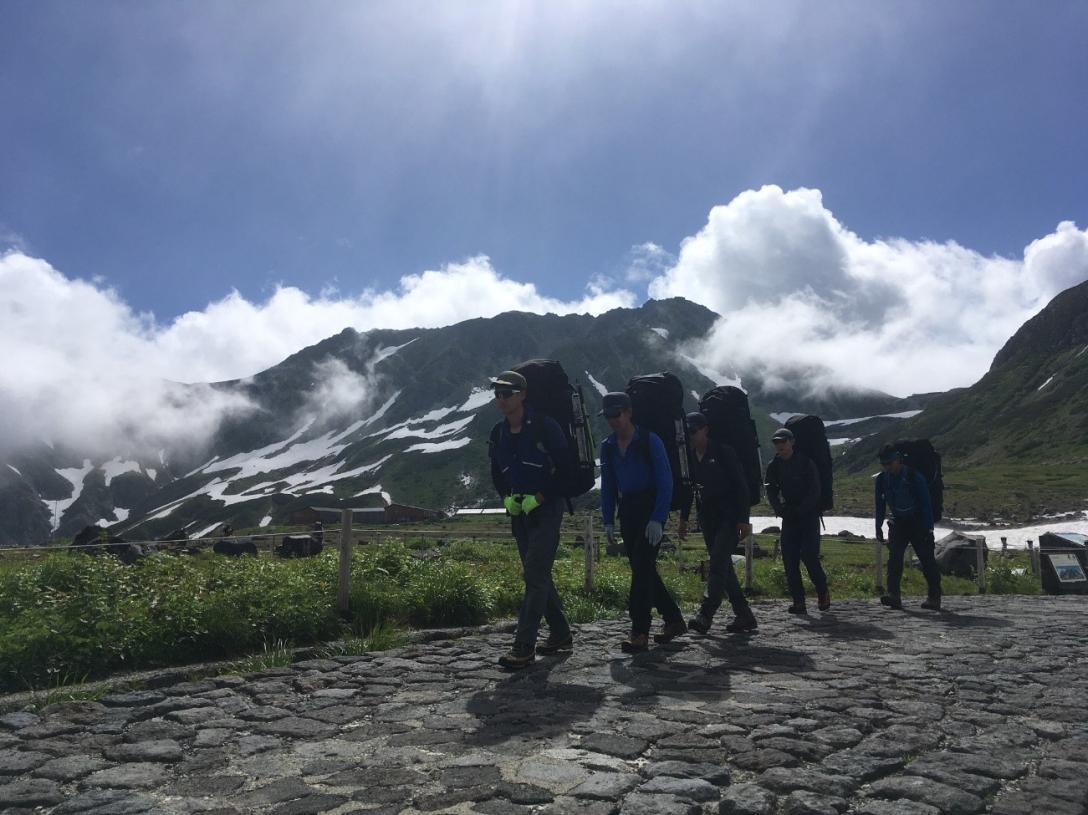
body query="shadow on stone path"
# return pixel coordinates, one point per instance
(861, 710)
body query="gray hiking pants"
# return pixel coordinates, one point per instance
(537, 535)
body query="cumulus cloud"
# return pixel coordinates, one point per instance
(799, 292)
(84, 369)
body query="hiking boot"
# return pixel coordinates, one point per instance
(797, 608)
(671, 631)
(635, 643)
(932, 603)
(891, 601)
(520, 656)
(742, 624)
(823, 601)
(699, 623)
(555, 646)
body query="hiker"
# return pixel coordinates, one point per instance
(902, 495)
(793, 490)
(722, 505)
(635, 470)
(526, 478)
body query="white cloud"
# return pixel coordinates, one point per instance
(798, 291)
(83, 369)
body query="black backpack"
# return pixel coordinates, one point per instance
(550, 393)
(919, 454)
(657, 405)
(810, 438)
(726, 410)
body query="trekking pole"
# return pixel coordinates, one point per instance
(980, 563)
(588, 545)
(748, 555)
(878, 566)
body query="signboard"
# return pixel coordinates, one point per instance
(1066, 567)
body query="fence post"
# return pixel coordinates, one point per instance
(588, 546)
(345, 562)
(1004, 547)
(748, 555)
(1033, 558)
(878, 566)
(980, 564)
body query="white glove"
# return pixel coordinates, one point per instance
(654, 533)
(610, 534)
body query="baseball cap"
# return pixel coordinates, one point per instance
(888, 453)
(782, 433)
(613, 403)
(510, 379)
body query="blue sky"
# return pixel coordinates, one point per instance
(177, 151)
(877, 194)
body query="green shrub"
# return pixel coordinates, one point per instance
(447, 594)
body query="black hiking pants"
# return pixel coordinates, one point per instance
(800, 542)
(647, 589)
(904, 533)
(720, 536)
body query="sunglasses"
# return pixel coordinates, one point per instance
(505, 393)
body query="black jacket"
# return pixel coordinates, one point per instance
(793, 486)
(723, 491)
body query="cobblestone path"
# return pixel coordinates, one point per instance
(862, 710)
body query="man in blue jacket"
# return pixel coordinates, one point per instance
(902, 495)
(635, 470)
(526, 470)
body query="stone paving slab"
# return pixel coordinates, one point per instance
(862, 710)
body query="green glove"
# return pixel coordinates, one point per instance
(529, 503)
(512, 504)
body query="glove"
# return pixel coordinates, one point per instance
(512, 504)
(654, 533)
(880, 533)
(610, 534)
(529, 503)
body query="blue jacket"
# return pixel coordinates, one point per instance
(632, 472)
(904, 497)
(524, 462)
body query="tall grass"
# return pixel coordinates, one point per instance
(70, 615)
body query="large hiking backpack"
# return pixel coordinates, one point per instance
(920, 455)
(730, 419)
(810, 438)
(657, 405)
(550, 393)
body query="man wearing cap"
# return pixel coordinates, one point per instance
(722, 506)
(902, 495)
(793, 490)
(635, 470)
(524, 462)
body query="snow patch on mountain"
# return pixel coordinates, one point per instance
(476, 400)
(1081, 351)
(116, 466)
(906, 414)
(661, 332)
(376, 490)
(265, 521)
(1046, 383)
(16, 471)
(449, 429)
(601, 389)
(74, 476)
(438, 447)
